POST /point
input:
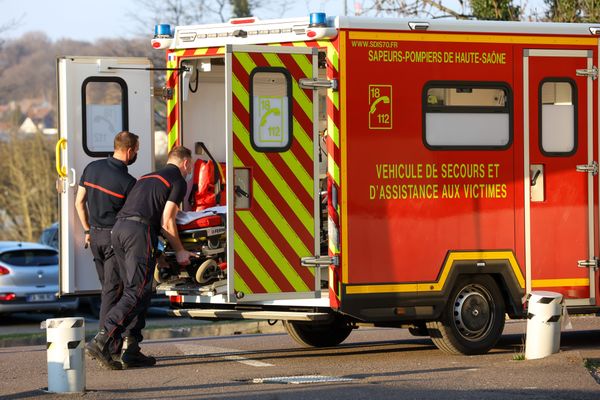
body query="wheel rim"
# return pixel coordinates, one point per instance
(473, 312)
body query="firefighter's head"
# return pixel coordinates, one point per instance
(127, 145)
(181, 157)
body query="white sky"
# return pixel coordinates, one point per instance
(93, 19)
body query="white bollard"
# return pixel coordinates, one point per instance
(66, 357)
(543, 324)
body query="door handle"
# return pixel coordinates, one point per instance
(536, 174)
(73, 183)
(241, 192)
(535, 177)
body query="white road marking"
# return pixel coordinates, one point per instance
(197, 350)
(247, 361)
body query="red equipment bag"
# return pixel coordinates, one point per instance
(208, 189)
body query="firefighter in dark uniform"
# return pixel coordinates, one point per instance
(150, 208)
(102, 191)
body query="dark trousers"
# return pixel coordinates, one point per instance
(107, 268)
(133, 243)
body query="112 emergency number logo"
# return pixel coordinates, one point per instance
(380, 106)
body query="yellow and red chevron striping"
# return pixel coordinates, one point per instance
(284, 217)
(275, 196)
(300, 188)
(260, 256)
(274, 264)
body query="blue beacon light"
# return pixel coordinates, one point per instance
(162, 30)
(318, 19)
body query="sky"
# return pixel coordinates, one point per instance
(93, 19)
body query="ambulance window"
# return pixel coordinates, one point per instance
(467, 115)
(558, 108)
(104, 113)
(270, 109)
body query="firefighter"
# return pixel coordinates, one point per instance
(102, 190)
(152, 204)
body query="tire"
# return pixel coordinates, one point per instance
(473, 319)
(318, 334)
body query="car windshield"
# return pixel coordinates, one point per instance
(30, 258)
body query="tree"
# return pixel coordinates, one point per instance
(496, 10)
(504, 10)
(572, 10)
(241, 8)
(28, 194)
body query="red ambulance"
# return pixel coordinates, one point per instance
(390, 172)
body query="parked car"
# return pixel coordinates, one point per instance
(29, 279)
(90, 303)
(49, 236)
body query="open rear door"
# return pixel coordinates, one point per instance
(272, 193)
(98, 97)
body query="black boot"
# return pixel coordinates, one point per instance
(98, 348)
(131, 355)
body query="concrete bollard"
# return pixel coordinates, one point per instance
(66, 357)
(543, 324)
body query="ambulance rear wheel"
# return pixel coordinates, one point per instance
(318, 335)
(472, 320)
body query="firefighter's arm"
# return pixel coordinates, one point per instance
(80, 201)
(169, 231)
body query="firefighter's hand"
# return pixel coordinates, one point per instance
(183, 257)
(86, 241)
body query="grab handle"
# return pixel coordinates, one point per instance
(60, 168)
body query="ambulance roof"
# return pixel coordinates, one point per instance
(471, 26)
(255, 31)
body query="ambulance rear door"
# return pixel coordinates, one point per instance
(98, 97)
(272, 192)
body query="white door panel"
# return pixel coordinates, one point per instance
(114, 99)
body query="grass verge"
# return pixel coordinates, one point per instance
(593, 365)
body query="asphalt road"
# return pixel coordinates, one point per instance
(371, 364)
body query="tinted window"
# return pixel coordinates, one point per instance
(105, 108)
(558, 111)
(271, 109)
(30, 258)
(467, 115)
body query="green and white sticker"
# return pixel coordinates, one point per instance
(270, 121)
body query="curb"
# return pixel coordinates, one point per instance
(199, 329)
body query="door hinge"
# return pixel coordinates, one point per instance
(588, 263)
(589, 168)
(592, 72)
(319, 261)
(316, 83)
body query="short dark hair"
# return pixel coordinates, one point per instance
(180, 153)
(126, 140)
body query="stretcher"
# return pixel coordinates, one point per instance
(202, 233)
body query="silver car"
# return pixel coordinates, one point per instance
(29, 279)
